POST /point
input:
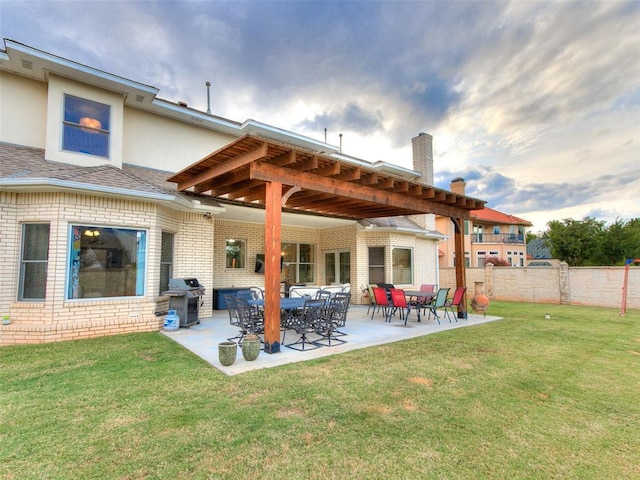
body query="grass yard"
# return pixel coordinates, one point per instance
(523, 398)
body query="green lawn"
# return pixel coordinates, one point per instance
(523, 397)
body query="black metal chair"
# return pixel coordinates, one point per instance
(307, 322)
(251, 317)
(335, 316)
(234, 317)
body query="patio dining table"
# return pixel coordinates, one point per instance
(420, 299)
(419, 293)
(288, 307)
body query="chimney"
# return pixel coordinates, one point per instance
(423, 156)
(458, 185)
(422, 147)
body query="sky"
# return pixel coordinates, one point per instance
(536, 104)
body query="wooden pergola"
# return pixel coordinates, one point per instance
(279, 177)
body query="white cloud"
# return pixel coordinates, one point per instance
(537, 96)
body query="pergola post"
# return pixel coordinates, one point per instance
(272, 263)
(458, 242)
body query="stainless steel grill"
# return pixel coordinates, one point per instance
(186, 298)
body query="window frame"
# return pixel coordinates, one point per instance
(22, 282)
(71, 129)
(395, 251)
(57, 87)
(115, 256)
(164, 262)
(298, 265)
(376, 267)
(231, 260)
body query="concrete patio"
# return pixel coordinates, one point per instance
(203, 339)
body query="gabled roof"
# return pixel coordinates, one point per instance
(25, 169)
(494, 216)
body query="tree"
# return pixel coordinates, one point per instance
(498, 262)
(621, 240)
(576, 242)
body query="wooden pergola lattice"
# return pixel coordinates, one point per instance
(279, 177)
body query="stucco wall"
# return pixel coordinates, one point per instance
(23, 111)
(164, 143)
(595, 286)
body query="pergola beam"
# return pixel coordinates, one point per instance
(226, 167)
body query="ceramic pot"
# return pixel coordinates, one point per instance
(480, 302)
(227, 352)
(250, 348)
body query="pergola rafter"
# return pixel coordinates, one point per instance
(283, 177)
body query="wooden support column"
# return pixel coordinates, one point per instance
(272, 246)
(461, 275)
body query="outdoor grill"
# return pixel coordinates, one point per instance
(186, 298)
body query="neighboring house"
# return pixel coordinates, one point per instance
(539, 255)
(487, 234)
(91, 231)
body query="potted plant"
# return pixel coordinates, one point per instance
(227, 352)
(6, 320)
(250, 346)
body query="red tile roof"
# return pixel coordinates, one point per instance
(494, 216)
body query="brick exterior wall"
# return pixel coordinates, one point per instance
(56, 318)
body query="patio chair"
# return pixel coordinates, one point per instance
(343, 321)
(251, 318)
(382, 301)
(427, 288)
(439, 302)
(234, 316)
(332, 288)
(372, 299)
(307, 322)
(459, 302)
(399, 302)
(335, 316)
(324, 294)
(257, 293)
(303, 291)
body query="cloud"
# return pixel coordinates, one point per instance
(505, 194)
(535, 103)
(351, 117)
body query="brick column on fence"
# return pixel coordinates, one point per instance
(488, 280)
(565, 288)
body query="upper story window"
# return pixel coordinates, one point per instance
(86, 126)
(496, 229)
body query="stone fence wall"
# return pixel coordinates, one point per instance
(601, 286)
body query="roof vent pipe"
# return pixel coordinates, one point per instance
(208, 84)
(340, 143)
